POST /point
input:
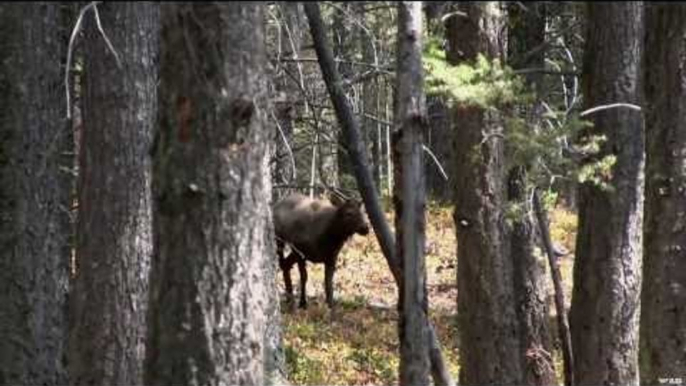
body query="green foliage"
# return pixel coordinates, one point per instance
(382, 365)
(487, 84)
(302, 369)
(549, 199)
(546, 148)
(599, 173)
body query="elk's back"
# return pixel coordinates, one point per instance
(299, 219)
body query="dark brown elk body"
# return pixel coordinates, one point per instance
(317, 230)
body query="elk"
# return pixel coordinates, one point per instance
(316, 231)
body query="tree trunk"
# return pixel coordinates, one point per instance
(210, 298)
(34, 196)
(607, 271)
(410, 198)
(527, 31)
(663, 306)
(489, 338)
(114, 226)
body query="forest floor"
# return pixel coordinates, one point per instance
(357, 343)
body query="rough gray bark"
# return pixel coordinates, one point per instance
(488, 328)
(607, 271)
(34, 196)
(210, 298)
(410, 197)
(527, 31)
(362, 174)
(114, 225)
(663, 299)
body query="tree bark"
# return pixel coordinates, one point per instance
(410, 197)
(663, 300)
(362, 174)
(607, 271)
(210, 298)
(35, 148)
(114, 225)
(489, 333)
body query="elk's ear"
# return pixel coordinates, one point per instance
(336, 201)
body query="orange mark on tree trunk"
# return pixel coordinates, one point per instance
(185, 112)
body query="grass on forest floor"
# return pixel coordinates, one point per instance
(357, 343)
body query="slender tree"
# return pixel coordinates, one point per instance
(663, 299)
(410, 197)
(363, 175)
(489, 337)
(210, 298)
(114, 226)
(607, 272)
(34, 196)
(526, 32)
(370, 96)
(343, 50)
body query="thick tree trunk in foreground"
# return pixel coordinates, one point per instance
(490, 348)
(114, 226)
(410, 198)
(34, 196)
(663, 301)
(210, 298)
(607, 271)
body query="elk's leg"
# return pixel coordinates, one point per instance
(286, 265)
(328, 283)
(279, 249)
(303, 282)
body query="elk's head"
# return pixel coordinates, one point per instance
(351, 216)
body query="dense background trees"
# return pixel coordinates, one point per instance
(151, 259)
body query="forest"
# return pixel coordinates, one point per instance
(469, 193)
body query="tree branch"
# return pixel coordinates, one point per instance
(610, 106)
